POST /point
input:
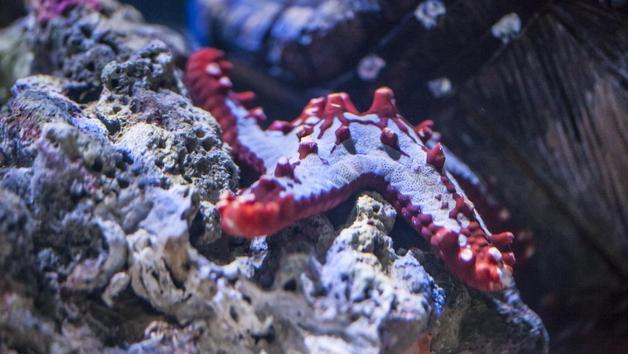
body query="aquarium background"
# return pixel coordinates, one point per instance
(170, 12)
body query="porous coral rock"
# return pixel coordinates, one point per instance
(174, 139)
(77, 44)
(363, 295)
(16, 243)
(21, 327)
(89, 196)
(88, 186)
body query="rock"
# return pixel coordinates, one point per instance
(359, 294)
(79, 44)
(16, 238)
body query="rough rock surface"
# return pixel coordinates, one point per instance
(81, 50)
(109, 240)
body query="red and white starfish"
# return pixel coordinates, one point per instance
(332, 150)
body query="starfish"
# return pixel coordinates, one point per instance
(332, 150)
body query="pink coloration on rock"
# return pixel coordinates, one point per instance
(48, 9)
(332, 150)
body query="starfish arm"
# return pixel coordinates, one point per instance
(207, 77)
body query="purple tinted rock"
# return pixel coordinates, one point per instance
(48, 9)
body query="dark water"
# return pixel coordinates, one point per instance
(181, 15)
(170, 12)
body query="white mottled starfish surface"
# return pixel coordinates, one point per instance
(332, 150)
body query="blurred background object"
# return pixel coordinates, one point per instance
(10, 10)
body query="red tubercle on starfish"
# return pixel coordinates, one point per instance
(284, 168)
(332, 150)
(342, 134)
(304, 130)
(425, 130)
(436, 157)
(495, 215)
(384, 104)
(281, 126)
(307, 148)
(461, 207)
(390, 138)
(447, 183)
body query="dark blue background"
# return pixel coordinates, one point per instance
(170, 12)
